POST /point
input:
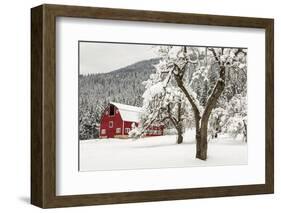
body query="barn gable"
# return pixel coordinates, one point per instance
(127, 112)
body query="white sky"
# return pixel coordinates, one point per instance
(106, 57)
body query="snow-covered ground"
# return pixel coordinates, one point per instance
(158, 152)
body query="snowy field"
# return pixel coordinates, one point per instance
(158, 152)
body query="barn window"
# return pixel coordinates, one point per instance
(127, 130)
(103, 131)
(110, 124)
(111, 110)
(118, 130)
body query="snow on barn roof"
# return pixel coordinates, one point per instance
(127, 112)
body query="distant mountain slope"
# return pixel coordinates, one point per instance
(123, 86)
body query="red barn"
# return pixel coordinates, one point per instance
(117, 121)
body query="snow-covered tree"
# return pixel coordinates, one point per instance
(217, 120)
(163, 104)
(229, 117)
(236, 122)
(176, 61)
(88, 123)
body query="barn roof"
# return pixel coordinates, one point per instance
(127, 112)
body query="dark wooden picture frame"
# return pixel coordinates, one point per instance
(43, 105)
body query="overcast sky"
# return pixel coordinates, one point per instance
(106, 57)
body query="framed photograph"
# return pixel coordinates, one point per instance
(137, 106)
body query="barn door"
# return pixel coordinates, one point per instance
(110, 133)
(111, 130)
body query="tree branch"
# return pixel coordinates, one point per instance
(189, 97)
(218, 89)
(240, 50)
(171, 117)
(214, 54)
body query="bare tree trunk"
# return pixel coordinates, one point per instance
(203, 143)
(245, 131)
(179, 122)
(211, 103)
(179, 138)
(201, 123)
(198, 136)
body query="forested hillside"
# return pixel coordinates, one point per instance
(97, 90)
